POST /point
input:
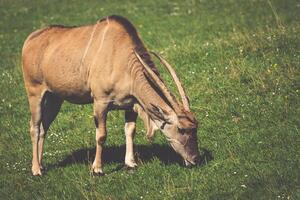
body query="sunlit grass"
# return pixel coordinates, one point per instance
(239, 62)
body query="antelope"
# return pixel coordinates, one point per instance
(106, 64)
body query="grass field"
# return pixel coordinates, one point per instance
(239, 62)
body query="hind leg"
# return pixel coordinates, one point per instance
(43, 108)
(35, 121)
(50, 107)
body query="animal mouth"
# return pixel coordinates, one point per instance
(189, 163)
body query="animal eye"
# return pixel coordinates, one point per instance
(180, 130)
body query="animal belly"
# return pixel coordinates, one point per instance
(70, 89)
(79, 99)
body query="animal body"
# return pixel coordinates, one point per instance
(106, 64)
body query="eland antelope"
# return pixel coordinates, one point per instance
(106, 64)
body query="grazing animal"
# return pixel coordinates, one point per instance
(106, 64)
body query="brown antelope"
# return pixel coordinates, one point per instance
(108, 65)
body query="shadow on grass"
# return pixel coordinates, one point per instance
(116, 154)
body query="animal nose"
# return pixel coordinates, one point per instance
(196, 159)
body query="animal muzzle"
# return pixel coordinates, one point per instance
(193, 161)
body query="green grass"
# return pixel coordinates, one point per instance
(239, 61)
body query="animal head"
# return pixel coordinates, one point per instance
(178, 124)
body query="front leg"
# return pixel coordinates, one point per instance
(130, 121)
(100, 113)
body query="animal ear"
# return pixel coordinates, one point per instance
(187, 121)
(159, 112)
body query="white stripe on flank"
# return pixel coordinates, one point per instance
(88, 45)
(101, 44)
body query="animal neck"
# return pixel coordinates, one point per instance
(150, 97)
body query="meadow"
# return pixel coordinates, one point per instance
(239, 62)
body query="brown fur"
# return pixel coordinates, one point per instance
(93, 63)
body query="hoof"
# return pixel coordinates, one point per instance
(97, 171)
(37, 172)
(130, 164)
(98, 174)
